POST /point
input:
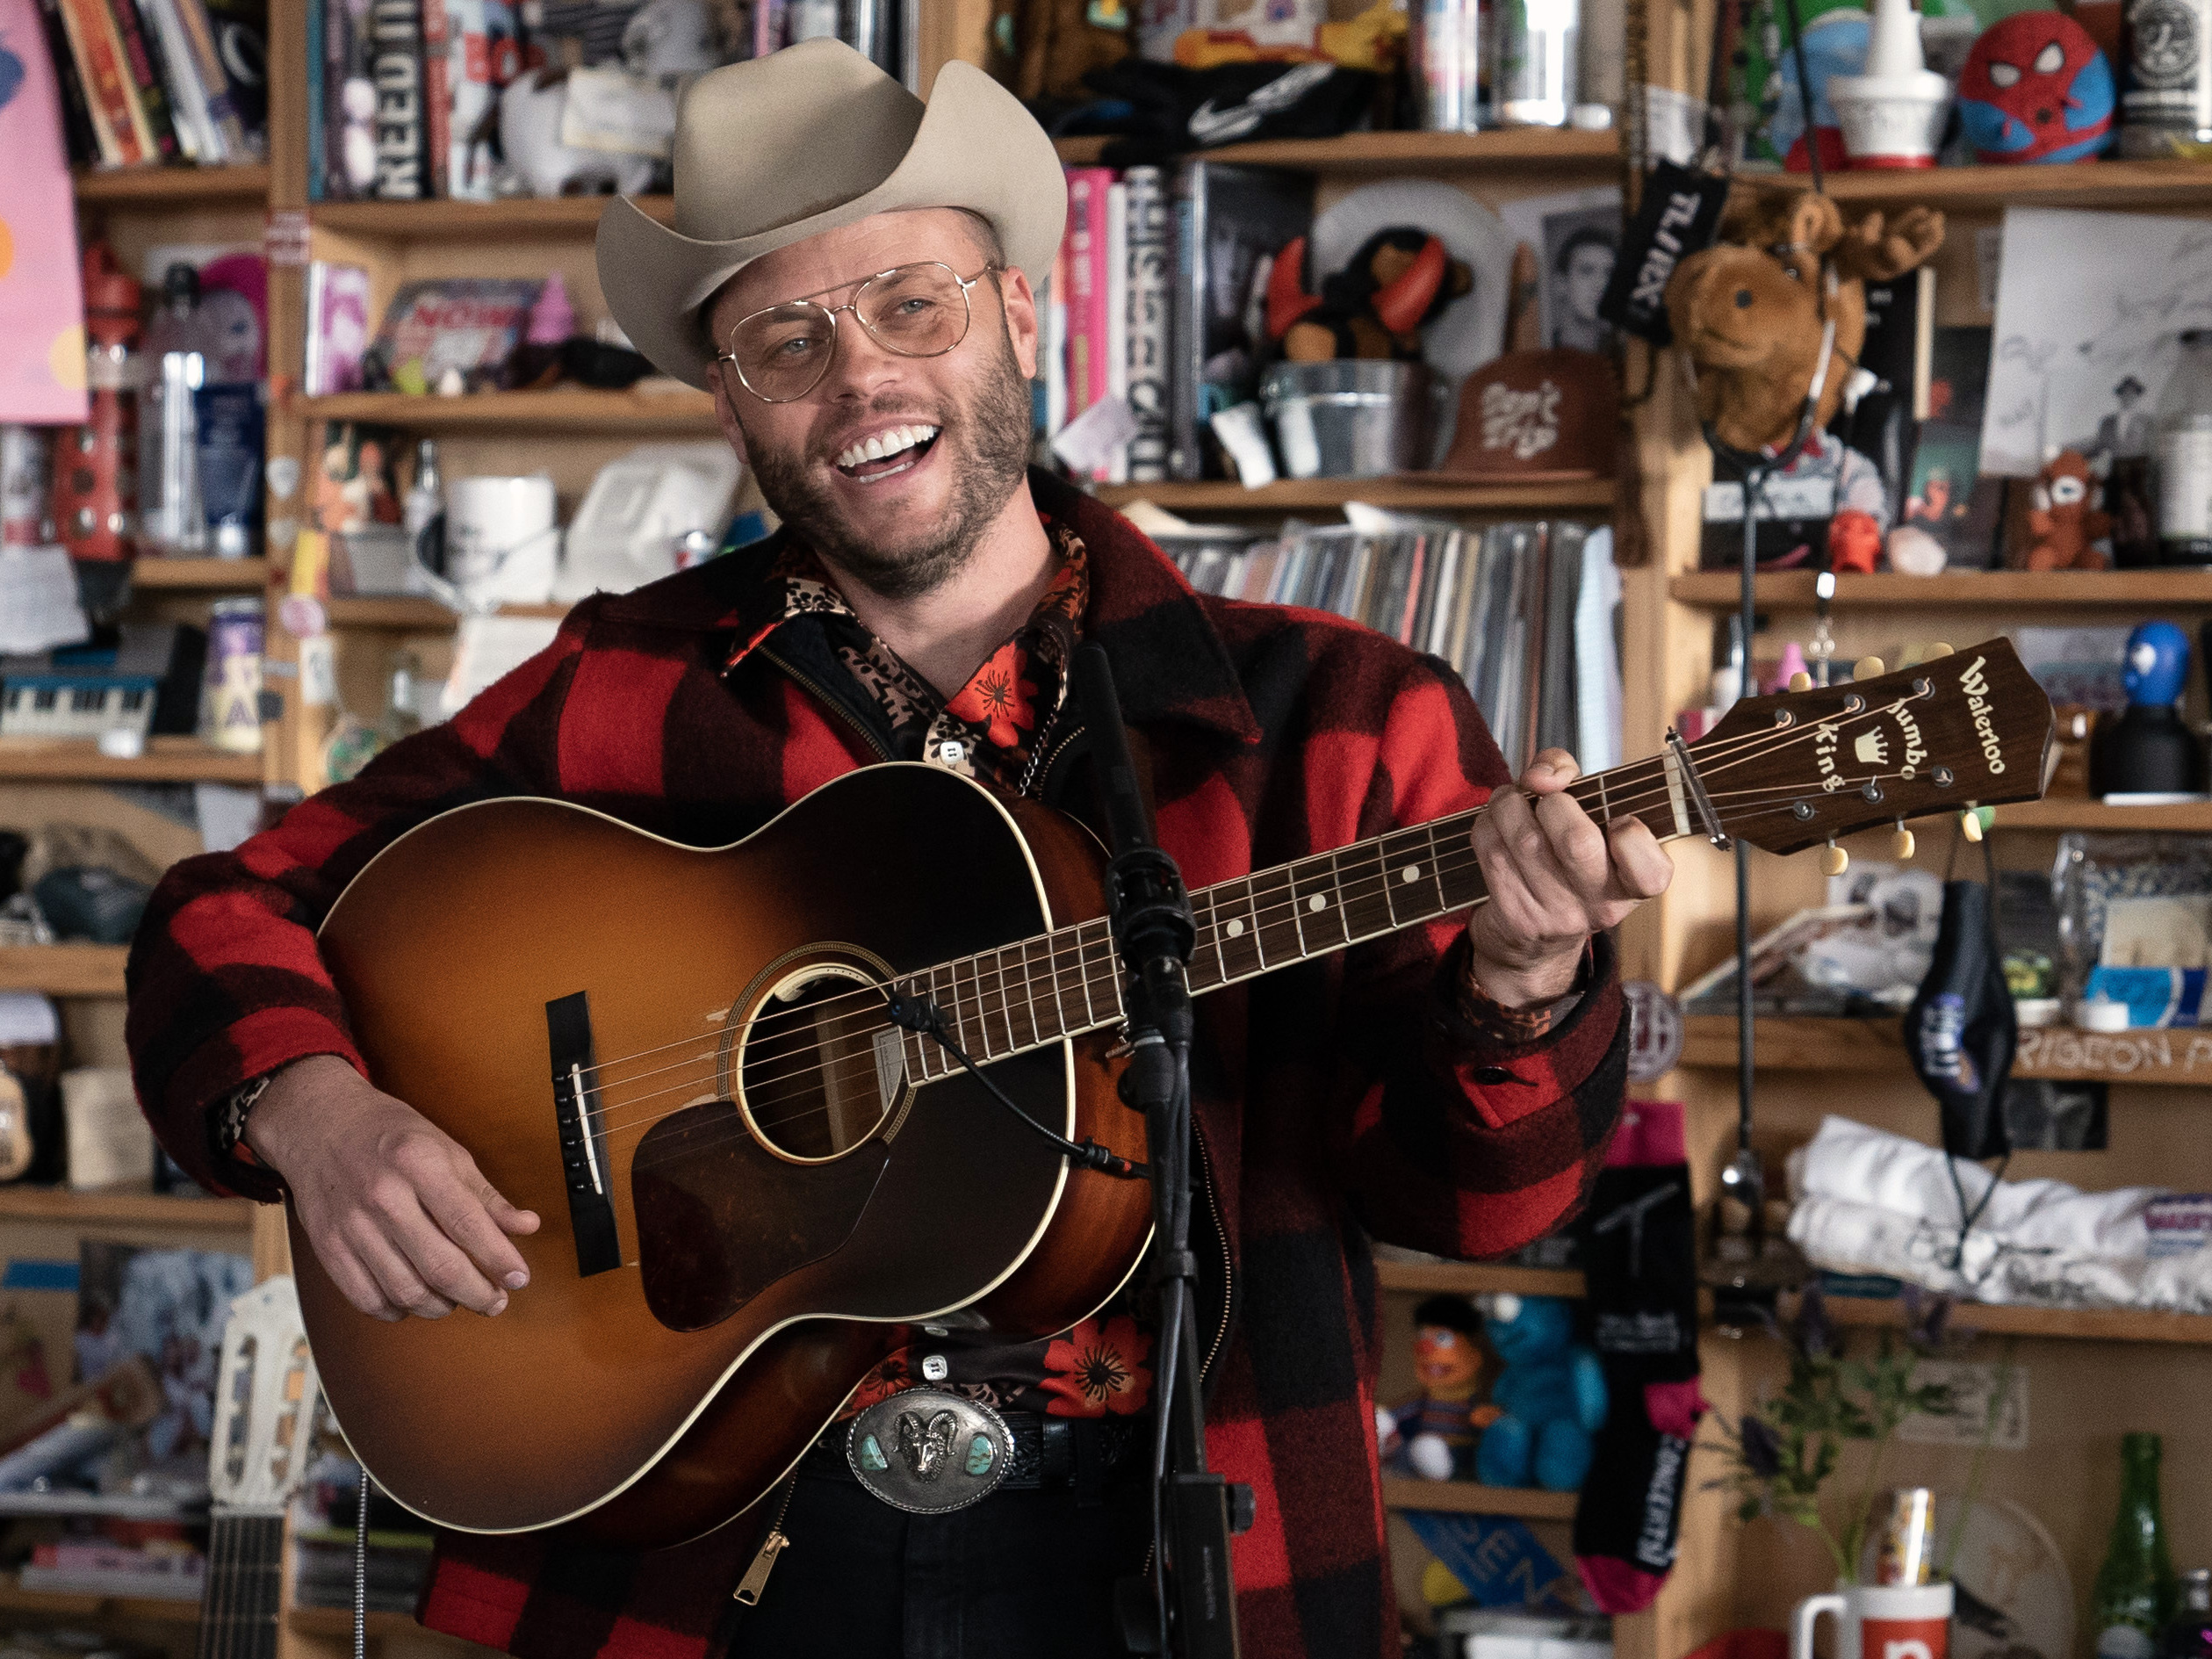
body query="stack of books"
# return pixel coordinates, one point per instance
(151, 81)
(156, 1569)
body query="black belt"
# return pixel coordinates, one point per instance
(1048, 1453)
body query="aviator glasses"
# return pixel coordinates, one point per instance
(920, 310)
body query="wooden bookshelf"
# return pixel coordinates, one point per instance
(467, 221)
(2056, 590)
(2099, 183)
(1405, 492)
(200, 576)
(2178, 1058)
(1593, 155)
(122, 1207)
(2066, 813)
(159, 187)
(63, 970)
(1477, 1279)
(166, 761)
(564, 410)
(1464, 1498)
(410, 613)
(338, 1621)
(54, 1603)
(2095, 1324)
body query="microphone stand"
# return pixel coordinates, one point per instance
(1193, 1611)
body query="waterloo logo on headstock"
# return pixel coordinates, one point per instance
(1969, 729)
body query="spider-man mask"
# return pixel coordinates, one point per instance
(2036, 89)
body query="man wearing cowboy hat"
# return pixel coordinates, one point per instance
(851, 273)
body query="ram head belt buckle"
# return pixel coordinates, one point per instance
(929, 1451)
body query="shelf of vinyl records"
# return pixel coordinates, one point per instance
(200, 576)
(679, 409)
(1407, 492)
(2177, 1056)
(1964, 190)
(176, 760)
(162, 187)
(1522, 149)
(2052, 589)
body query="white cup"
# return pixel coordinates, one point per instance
(1878, 1621)
(502, 539)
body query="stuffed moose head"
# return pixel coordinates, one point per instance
(1750, 311)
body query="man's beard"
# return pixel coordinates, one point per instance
(987, 447)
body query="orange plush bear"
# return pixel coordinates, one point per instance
(2062, 525)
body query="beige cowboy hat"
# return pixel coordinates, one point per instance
(811, 139)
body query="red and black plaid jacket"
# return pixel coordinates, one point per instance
(1340, 1098)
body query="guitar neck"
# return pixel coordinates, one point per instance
(237, 1611)
(1065, 983)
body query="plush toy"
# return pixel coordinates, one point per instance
(1060, 41)
(1435, 1436)
(2062, 525)
(1399, 281)
(1550, 1396)
(2036, 89)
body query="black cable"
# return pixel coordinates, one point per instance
(922, 1014)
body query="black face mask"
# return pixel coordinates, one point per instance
(1962, 1029)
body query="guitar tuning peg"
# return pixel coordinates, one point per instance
(1901, 844)
(1970, 823)
(1939, 649)
(1801, 680)
(1835, 860)
(1868, 668)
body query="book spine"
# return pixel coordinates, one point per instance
(1096, 285)
(153, 97)
(165, 36)
(1055, 343)
(99, 61)
(438, 99)
(1117, 317)
(311, 369)
(77, 134)
(1084, 211)
(1186, 325)
(207, 58)
(395, 33)
(1151, 283)
(318, 157)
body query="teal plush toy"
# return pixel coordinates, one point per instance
(1552, 1392)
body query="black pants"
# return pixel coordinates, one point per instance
(1019, 1574)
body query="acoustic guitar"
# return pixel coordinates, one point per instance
(750, 1178)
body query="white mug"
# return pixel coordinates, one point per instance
(1878, 1621)
(501, 540)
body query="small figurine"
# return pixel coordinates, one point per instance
(2063, 527)
(1436, 1434)
(2036, 89)
(1551, 1397)
(1401, 280)
(2148, 749)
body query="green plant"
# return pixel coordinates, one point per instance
(1782, 1453)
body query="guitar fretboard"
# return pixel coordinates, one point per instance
(1064, 983)
(245, 1568)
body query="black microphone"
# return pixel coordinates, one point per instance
(1145, 898)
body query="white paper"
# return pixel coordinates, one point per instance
(619, 114)
(27, 1020)
(38, 601)
(487, 647)
(1674, 124)
(227, 813)
(2085, 301)
(1090, 440)
(1575, 236)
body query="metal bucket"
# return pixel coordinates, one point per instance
(1350, 418)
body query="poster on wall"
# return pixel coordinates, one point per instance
(41, 304)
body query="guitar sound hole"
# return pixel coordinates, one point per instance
(819, 1072)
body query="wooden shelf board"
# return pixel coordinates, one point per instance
(166, 760)
(2067, 589)
(338, 1621)
(171, 186)
(413, 612)
(1521, 147)
(63, 970)
(213, 575)
(65, 1605)
(1477, 1279)
(2095, 1324)
(1290, 495)
(2066, 813)
(2161, 1058)
(123, 1206)
(2108, 184)
(562, 410)
(465, 221)
(1464, 1498)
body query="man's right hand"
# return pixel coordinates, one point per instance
(399, 1215)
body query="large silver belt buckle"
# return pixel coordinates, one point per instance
(928, 1452)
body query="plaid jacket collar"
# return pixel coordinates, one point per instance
(1169, 660)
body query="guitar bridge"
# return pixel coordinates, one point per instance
(582, 1135)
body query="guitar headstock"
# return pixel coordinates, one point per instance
(267, 1397)
(1790, 771)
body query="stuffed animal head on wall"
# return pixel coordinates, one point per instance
(1752, 314)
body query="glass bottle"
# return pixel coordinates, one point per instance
(2183, 455)
(2134, 1594)
(171, 519)
(400, 719)
(2190, 1634)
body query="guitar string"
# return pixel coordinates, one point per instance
(763, 1123)
(1003, 987)
(1581, 789)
